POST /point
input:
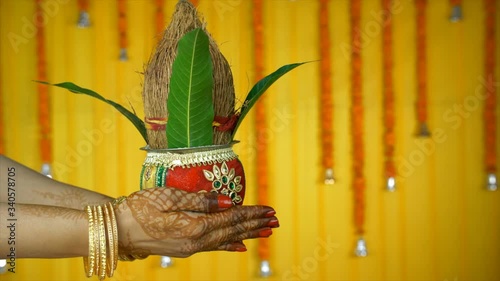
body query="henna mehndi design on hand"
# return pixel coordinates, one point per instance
(177, 223)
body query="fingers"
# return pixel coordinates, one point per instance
(237, 215)
(233, 247)
(170, 199)
(207, 202)
(224, 238)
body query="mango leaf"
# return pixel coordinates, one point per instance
(259, 89)
(136, 121)
(189, 103)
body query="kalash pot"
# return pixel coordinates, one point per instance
(214, 168)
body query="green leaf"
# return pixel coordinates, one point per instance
(259, 89)
(136, 121)
(189, 103)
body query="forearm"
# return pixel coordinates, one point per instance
(33, 188)
(37, 231)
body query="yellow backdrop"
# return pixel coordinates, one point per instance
(440, 224)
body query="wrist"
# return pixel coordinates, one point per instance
(129, 247)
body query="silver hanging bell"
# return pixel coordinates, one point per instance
(424, 130)
(123, 54)
(456, 13)
(265, 269)
(361, 250)
(166, 262)
(46, 170)
(492, 182)
(83, 19)
(329, 178)
(391, 184)
(3, 266)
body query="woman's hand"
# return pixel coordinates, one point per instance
(172, 222)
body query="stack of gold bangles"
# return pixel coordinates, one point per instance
(103, 241)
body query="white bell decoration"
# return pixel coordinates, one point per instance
(166, 262)
(83, 19)
(123, 54)
(265, 269)
(456, 13)
(46, 170)
(3, 266)
(361, 250)
(424, 131)
(492, 182)
(391, 184)
(329, 178)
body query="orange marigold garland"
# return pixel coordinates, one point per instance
(122, 29)
(43, 95)
(160, 17)
(83, 16)
(389, 134)
(260, 127)
(490, 101)
(326, 101)
(357, 129)
(421, 6)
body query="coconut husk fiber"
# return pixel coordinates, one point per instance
(159, 69)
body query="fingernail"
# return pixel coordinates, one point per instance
(224, 202)
(241, 249)
(273, 223)
(266, 232)
(270, 214)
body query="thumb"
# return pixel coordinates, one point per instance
(213, 202)
(207, 202)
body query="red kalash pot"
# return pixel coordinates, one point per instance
(214, 168)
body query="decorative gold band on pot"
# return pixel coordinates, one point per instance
(186, 159)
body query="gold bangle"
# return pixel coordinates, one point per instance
(123, 257)
(88, 262)
(102, 244)
(118, 201)
(115, 235)
(139, 256)
(109, 236)
(97, 250)
(132, 257)
(111, 243)
(103, 241)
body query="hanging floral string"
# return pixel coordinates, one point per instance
(195, 2)
(421, 69)
(122, 29)
(160, 17)
(43, 95)
(83, 14)
(456, 10)
(490, 102)
(357, 128)
(326, 100)
(260, 127)
(388, 92)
